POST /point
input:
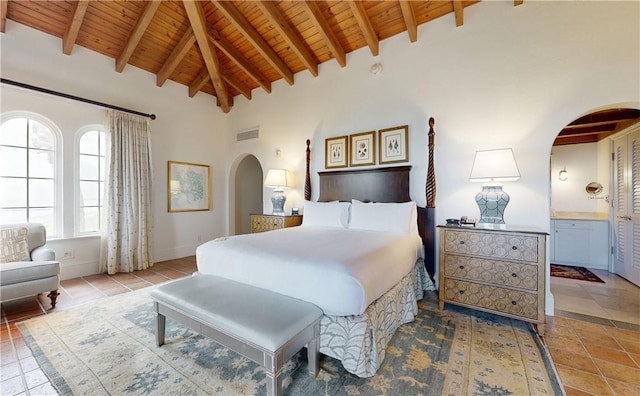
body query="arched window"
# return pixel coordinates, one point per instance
(91, 165)
(29, 164)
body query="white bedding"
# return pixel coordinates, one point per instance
(340, 270)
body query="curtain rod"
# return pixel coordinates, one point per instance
(77, 98)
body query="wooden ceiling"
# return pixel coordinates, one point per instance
(230, 48)
(596, 126)
(227, 48)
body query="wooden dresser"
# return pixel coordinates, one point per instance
(265, 222)
(497, 270)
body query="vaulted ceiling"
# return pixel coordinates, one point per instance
(227, 48)
(230, 48)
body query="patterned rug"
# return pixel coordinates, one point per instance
(579, 273)
(108, 348)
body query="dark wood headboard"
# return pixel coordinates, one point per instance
(389, 184)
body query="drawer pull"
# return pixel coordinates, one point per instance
(461, 267)
(514, 275)
(514, 248)
(461, 291)
(462, 242)
(514, 302)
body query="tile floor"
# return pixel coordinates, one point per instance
(594, 339)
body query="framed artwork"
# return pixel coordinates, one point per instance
(336, 152)
(363, 148)
(394, 144)
(188, 187)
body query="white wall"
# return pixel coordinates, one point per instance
(585, 163)
(509, 77)
(186, 129)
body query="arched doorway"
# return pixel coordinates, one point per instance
(247, 190)
(586, 228)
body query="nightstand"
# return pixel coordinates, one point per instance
(265, 222)
(497, 270)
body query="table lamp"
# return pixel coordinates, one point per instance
(492, 167)
(278, 180)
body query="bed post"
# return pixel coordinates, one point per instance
(430, 221)
(307, 178)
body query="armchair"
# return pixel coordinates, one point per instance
(27, 267)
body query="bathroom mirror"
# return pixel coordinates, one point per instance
(594, 188)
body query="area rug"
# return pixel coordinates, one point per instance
(108, 348)
(578, 273)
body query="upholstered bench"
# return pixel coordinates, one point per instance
(266, 327)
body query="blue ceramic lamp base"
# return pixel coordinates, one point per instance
(492, 202)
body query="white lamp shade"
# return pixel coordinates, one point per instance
(277, 178)
(494, 166)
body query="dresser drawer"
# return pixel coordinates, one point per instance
(508, 246)
(501, 300)
(524, 276)
(262, 223)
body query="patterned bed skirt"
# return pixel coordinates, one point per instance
(359, 342)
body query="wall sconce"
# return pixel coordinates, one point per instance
(493, 167)
(278, 180)
(563, 175)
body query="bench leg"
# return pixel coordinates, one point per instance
(274, 382)
(313, 356)
(272, 364)
(160, 325)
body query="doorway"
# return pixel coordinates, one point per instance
(248, 193)
(581, 157)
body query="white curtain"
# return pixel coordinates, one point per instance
(127, 231)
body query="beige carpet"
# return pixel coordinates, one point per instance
(108, 348)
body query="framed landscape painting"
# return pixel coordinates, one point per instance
(394, 144)
(336, 152)
(188, 187)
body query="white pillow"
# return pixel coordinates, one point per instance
(326, 214)
(400, 218)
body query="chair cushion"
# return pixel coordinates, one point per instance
(24, 271)
(13, 245)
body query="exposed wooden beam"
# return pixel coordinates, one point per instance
(203, 78)
(607, 116)
(587, 129)
(409, 20)
(458, 10)
(138, 31)
(4, 6)
(179, 52)
(73, 27)
(198, 23)
(199, 82)
(517, 2)
(575, 140)
(369, 33)
(234, 54)
(327, 34)
(238, 20)
(289, 35)
(237, 84)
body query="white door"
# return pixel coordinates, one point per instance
(626, 176)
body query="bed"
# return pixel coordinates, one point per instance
(366, 293)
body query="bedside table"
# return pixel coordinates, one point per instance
(501, 271)
(265, 222)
